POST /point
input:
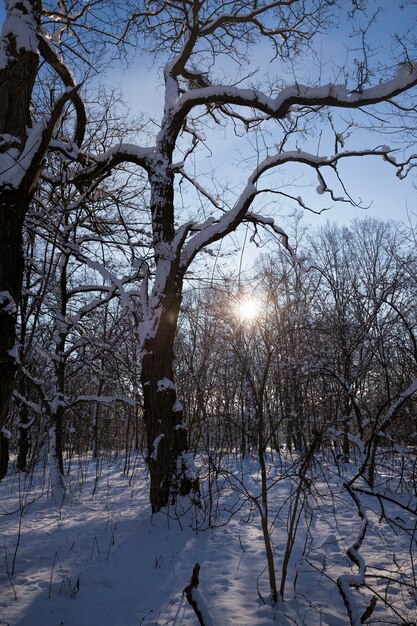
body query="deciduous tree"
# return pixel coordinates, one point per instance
(191, 39)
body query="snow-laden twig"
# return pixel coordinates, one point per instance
(194, 598)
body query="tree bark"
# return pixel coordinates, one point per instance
(11, 276)
(17, 78)
(166, 434)
(4, 454)
(23, 444)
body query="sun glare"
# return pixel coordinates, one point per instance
(248, 309)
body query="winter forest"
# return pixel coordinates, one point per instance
(208, 341)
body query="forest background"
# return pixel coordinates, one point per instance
(133, 321)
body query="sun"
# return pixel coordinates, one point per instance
(248, 309)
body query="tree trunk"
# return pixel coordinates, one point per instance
(346, 442)
(4, 454)
(17, 77)
(58, 424)
(55, 463)
(11, 276)
(166, 434)
(23, 444)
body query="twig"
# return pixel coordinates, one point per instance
(193, 597)
(8, 572)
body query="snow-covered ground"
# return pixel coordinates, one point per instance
(103, 559)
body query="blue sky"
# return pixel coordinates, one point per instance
(370, 179)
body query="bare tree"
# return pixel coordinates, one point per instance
(36, 42)
(192, 38)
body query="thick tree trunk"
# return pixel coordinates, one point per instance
(17, 77)
(16, 85)
(11, 275)
(166, 433)
(4, 454)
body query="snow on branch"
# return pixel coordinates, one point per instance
(75, 318)
(31, 405)
(195, 600)
(269, 222)
(119, 283)
(20, 168)
(199, 188)
(213, 230)
(103, 400)
(397, 404)
(98, 165)
(299, 95)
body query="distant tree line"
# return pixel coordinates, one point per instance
(332, 348)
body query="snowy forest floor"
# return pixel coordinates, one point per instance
(104, 559)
